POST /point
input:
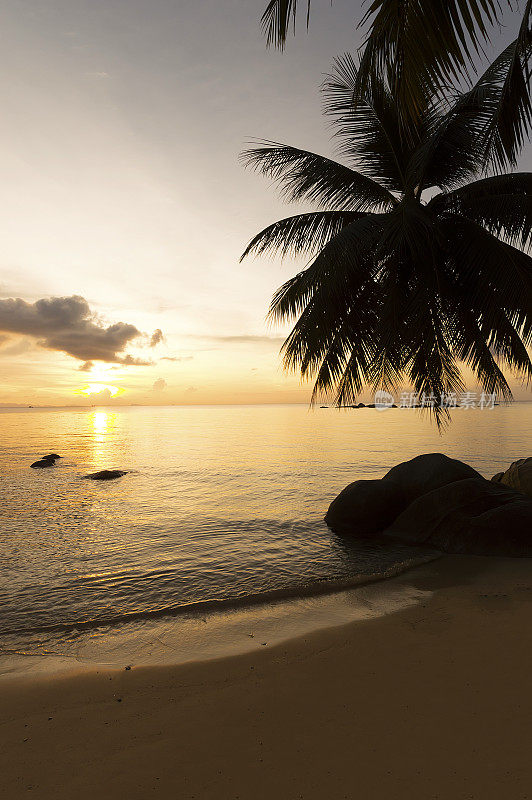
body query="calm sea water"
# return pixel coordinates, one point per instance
(221, 504)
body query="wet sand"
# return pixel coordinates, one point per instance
(431, 701)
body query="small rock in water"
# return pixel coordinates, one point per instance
(106, 474)
(46, 461)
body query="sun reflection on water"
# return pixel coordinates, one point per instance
(101, 428)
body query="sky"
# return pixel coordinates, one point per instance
(124, 208)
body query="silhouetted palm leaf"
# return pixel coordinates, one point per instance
(426, 44)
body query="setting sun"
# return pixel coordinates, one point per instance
(96, 388)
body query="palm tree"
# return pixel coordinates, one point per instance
(416, 250)
(425, 44)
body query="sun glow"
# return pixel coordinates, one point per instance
(97, 388)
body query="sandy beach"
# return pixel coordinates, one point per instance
(433, 701)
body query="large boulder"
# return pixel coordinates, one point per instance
(518, 476)
(427, 472)
(365, 508)
(473, 516)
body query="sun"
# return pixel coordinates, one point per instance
(96, 388)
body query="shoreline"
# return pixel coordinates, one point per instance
(222, 628)
(431, 700)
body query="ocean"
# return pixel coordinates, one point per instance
(222, 507)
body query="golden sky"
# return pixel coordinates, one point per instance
(124, 209)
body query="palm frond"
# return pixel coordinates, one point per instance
(511, 121)
(485, 127)
(428, 44)
(302, 233)
(492, 275)
(302, 175)
(337, 272)
(502, 204)
(276, 19)
(368, 127)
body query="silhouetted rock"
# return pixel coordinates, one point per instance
(472, 516)
(43, 462)
(518, 476)
(427, 472)
(106, 475)
(46, 461)
(360, 405)
(365, 508)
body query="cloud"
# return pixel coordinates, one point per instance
(156, 337)
(251, 339)
(180, 358)
(68, 325)
(191, 390)
(101, 398)
(159, 385)
(243, 339)
(86, 367)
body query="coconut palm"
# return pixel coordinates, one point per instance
(417, 259)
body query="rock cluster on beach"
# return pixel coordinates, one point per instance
(441, 502)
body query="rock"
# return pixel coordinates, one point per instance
(106, 475)
(473, 516)
(518, 476)
(46, 461)
(427, 472)
(361, 405)
(497, 478)
(365, 508)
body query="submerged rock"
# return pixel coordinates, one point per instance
(106, 474)
(473, 516)
(365, 508)
(427, 472)
(518, 476)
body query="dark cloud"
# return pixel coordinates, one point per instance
(68, 325)
(159, 385)
(86, 367)
(156, 337)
